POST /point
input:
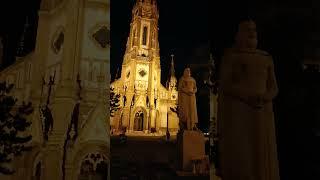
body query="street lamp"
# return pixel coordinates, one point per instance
(168, 133)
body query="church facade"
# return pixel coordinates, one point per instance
(67, 80)
(145, 103)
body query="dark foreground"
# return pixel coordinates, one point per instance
(145, 158)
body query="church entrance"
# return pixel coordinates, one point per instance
(138, 121)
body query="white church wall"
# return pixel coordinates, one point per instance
(89, 48)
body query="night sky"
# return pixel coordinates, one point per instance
(286, 29)
(13, 15)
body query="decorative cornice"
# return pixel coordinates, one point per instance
(98, 4)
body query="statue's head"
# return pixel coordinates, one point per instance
(247, 35)
(187, 72)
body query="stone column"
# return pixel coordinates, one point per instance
(125, 117)
(71, 57)
(53, 157)
(152, 117)
(61, 107)
(41, 53)
(71, 170)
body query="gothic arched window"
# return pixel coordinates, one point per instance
(94, 166)
(144, 36)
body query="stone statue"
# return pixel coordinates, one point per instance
(246, 129)
(187, 108)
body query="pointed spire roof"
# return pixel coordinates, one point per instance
(21, 46)
(171, 78)
(117, 74)
(211, 60)
(172, 72)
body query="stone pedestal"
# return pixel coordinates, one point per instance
(191, 146)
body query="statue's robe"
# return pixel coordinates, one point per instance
(187, 103)
(247, 141)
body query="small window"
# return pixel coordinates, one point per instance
(102, 36)
(144, 38)
(58, 42)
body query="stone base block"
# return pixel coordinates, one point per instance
(191, 147)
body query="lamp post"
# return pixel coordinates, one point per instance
(168, 133)
(124, 104)
(155, 107)
(213, 84)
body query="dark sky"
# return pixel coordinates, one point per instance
(283, 26)
(13, 15)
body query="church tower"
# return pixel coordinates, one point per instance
(143, 37)
(140, 83)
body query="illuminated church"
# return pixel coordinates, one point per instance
(145, 103)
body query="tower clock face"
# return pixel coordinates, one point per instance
(142, 72)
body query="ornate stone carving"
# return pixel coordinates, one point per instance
(95, 159)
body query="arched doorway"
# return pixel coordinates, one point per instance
(138, 121)
(94, 167)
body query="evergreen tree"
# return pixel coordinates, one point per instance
(114, 102)
(13, 124)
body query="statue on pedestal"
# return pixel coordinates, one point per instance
(187, 107)
(246, 128)
(191, 141)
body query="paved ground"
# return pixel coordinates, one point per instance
(144, 158)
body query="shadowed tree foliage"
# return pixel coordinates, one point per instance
(114, 102)
(13, 124)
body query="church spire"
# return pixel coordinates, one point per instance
(21, 47)
(172, 73)
(117, 74)
(172, 80)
